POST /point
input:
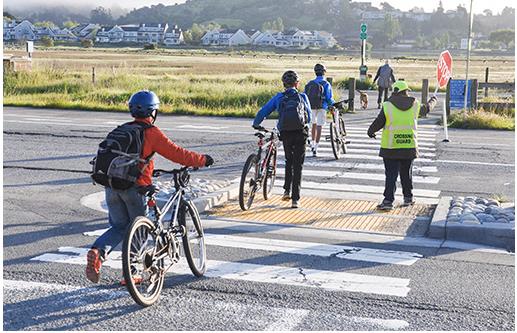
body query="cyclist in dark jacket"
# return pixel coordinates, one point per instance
(293, 139)
(398, 155)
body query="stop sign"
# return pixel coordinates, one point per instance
(444, 70)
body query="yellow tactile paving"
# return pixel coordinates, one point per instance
(327, 213)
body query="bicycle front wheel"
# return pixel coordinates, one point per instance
(335, 141)
(143, 270)
(248, 186)
(270, 175)
(193, 239)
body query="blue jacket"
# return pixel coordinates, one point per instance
(273, 105)
(327, 91)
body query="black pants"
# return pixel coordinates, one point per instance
(392, 169)
(382, 91)
(294, 148)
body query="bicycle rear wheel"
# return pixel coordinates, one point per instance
(335, 141)
(248, 186)
(193, 239)
(270, 175)
(343, 134)
(143, 271)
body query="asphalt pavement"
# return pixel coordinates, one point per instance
(260, 276)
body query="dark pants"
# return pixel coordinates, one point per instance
(294, 148)
(382, 91)
(392, 169)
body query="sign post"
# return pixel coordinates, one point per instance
(30, 48)
(443, 74)
(363, 69)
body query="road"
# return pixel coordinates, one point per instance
(261, 277)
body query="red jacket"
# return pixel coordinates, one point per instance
(155, 141)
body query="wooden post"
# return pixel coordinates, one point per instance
(448, 98)
(486, 81)
(425, 91)
(351, 93)
(93, 75)
(474, 94)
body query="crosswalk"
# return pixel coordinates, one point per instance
(359, 174)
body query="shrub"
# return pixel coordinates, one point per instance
(151, 46)
(47, 41)
(87, 43)
(481, 119)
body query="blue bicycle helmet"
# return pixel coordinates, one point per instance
(143, 103)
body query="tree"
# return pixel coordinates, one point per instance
(70, 24)
(488, 12)
(391, 29)
(47, 24)
(505, 36)
(101, 15)
(387, 7)
(276, 25)
(47, 41)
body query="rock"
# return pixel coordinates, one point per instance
(467, 211)
(453, 219)
(481, 201)
(470, 198)
(458, 198)
(492, 202)
(502, 220)
(457, 204)
(469, 218)
(485, 218)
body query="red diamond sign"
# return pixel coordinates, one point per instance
(444, 71)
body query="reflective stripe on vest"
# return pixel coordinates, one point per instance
(400, 129)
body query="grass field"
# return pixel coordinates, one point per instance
(226, 84)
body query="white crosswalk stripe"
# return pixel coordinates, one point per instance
(361, 170)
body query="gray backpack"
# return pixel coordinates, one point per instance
(384, 80)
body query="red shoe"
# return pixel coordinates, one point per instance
(136, 280)
(93, 265)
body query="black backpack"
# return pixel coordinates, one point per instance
(292, 112)
(315, 92)
(116, 164)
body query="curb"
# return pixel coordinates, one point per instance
(216, 198)
(494, 234)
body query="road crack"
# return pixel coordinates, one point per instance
(68, 136)
(45, 169)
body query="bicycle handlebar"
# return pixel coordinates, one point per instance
(159, 172)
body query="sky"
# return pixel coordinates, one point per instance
(429, 5)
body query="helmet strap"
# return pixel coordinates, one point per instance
(154, 115)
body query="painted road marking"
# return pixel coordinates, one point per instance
(358, 175)
(476, 163)
(202, 127)
(77, 301)
(372, 151)
(355, 165)
(361, 188)
(298, 276)
(358, 156)
(305, 248)
(374, 146)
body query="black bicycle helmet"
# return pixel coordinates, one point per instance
(320, 69)
(290, 78)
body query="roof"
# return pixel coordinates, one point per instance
(129, 27)
(228, 31)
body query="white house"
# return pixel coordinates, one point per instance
(295, 38)
(225, 37)
(86, 30)
(18, 31)
(42, 32)
(64, 35)
(152, 33)
(173, 36)
(252, 34)
(265, 38)
(325, 39)
(130, 33)
(110, 34)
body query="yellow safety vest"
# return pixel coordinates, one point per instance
(400, 130)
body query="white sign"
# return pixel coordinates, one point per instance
(464, 43)
(30, 47)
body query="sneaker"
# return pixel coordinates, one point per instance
(93, 265)
(295, 204)
(409, 201)
(286, 196)
(378, 105)
(136, 280)
(314, 152)
(385, 205)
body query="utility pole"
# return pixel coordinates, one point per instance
(469, 43)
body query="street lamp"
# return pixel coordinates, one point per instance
(469, 42)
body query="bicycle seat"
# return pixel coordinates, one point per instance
(148, 190)
(260, 135)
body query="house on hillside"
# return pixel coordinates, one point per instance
(130, 33)
(173, 36)
(324, 39)
(23, 30)
(110, 34)
(44, 32)
(152, 33)
(86, 30)
(225, 37)
(252, 34)
(265, 38)
(295, 39)
(64, 35)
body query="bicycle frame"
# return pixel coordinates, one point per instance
(268, 144)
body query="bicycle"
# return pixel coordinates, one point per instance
(151, 245)
(337, 135)
(259, 172)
